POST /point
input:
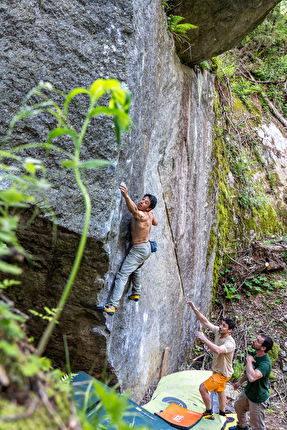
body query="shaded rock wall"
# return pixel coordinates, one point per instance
(221, 25)
(167, 153)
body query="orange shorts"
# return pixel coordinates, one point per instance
(216, 382)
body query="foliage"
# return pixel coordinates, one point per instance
(239, 368)
(243, 176)
(179, 30)
(251, 81)
(231, 291)
(50, 313)
(268, 62)
(204, 65)
(167, 6)
(18, 365)
(24, 179)
(109, 411)
(25, 174)
(258, 66)
(257, 284)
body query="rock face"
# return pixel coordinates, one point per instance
(275, 151)
(221, 25)
(168, 153)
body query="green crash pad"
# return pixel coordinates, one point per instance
(137, 416)
(182, 388)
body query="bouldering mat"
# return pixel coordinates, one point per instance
(182, 388)
(231, 421)
(179, 417)
(136, 416)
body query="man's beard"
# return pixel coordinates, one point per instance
(253, 346)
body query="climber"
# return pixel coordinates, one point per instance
(141, 223)
(223, 349)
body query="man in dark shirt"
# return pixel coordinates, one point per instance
(255, 395)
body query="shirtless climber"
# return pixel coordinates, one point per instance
(141, 223)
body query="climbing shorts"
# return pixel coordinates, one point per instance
(216, 382)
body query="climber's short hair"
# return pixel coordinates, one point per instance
(153, 200)
(229, 322)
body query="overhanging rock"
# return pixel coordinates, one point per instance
(221, 25)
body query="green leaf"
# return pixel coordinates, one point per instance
(6, 236)
(8, 283)
(103, 109)
(30, 167)
(111, 84)
(10, 223)
(33, 365)
(175, 19)
(71, 95)
(97, 89)
(9, 349)
(100, 86)
(90, 164)
(50, 311)
(123, 120)
(19, 205)
(9, 268)
(46, 146)
(120, 95)
(59, 132)
(12, 196)
(184, 27)
(6, 154)
(68, 163)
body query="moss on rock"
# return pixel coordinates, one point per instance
(273, 353)
(244, 210)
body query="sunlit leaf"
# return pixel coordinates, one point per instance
(68, 163)
(111, 84)
(12, 196)
(6, 154)
(10, 223)
(120, 95)
(59, 132)
(9, 349)
(94, 163)
(9, 268)
(6, 236)
(71, 95)
(33, 365)
(103, 109)
(97, 89)
(9, 283)
(30, 167)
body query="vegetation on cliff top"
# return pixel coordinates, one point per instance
(251, 84)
